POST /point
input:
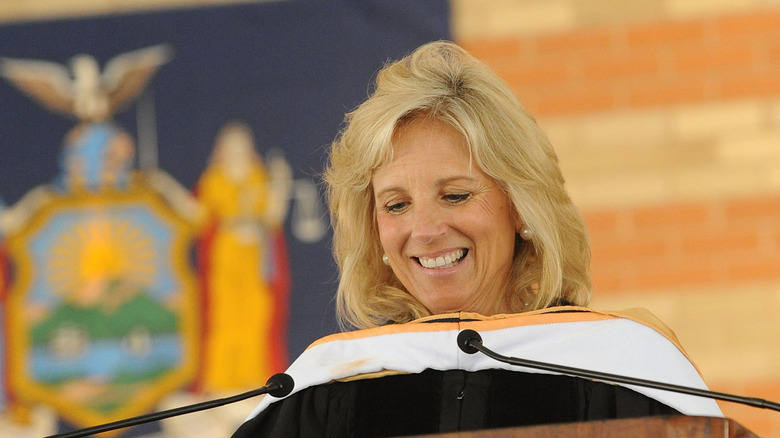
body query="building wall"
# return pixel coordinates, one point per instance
(666, 118)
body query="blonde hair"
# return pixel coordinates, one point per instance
(442, 81)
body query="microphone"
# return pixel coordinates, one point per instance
(470, 342)
(279, 385)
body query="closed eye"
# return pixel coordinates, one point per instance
(456, 198)
(396, 208)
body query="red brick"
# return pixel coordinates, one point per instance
(720, 242)
(704, 59)
(628, 250)
(673, 274)
(666, 33)
(751, 83)
(603, 67)
(530, 100)
(666, 92)
(490, 48)
(571, 100)
(601, 221)
(753, 208)
(741, 24)
(773, 52)
(577, 41)
(751, 269)
(607, 282)
(535, 74)
(674, 215)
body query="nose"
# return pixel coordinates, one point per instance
(429, 224)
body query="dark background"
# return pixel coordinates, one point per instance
(290, 70)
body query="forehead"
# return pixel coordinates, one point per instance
(426, 150)
(424, 137)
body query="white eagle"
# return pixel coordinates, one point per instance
(82, 91)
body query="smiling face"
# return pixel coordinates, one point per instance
(447, 228)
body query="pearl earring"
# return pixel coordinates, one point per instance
(385, 260)
(526, 233)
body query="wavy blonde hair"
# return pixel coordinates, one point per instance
(442, 81)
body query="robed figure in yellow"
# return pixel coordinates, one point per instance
(244, 304)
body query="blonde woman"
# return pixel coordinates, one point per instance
(449, 212)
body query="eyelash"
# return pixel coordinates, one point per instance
(452, 198)
(457, 198)
(395, 208)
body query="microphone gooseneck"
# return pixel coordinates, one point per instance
(469, 341)
(279, 385)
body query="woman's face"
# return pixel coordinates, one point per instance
(447, 228)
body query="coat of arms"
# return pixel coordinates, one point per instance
(101, 300)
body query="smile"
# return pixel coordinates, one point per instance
(444, 261)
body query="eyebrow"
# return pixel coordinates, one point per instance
(439, 182)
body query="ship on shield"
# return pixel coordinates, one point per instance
(101, 296)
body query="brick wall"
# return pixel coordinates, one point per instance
(726, 242)
(666, 119)
(637, 65)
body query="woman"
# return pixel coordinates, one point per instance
(449, 212)
(442, 82)
(245, 201)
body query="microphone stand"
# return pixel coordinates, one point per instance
(470, 342)
(278, 385)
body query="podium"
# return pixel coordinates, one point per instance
(645, 427)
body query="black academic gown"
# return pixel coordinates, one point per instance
(445, 401)
(411, 379)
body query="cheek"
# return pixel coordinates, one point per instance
(388, 228)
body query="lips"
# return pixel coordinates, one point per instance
(443, 261)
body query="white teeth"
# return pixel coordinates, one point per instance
(445, 261)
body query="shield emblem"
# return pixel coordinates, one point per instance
(101, 308)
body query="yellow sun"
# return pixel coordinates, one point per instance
(98, 251)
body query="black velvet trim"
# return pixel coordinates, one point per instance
(452, 319)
